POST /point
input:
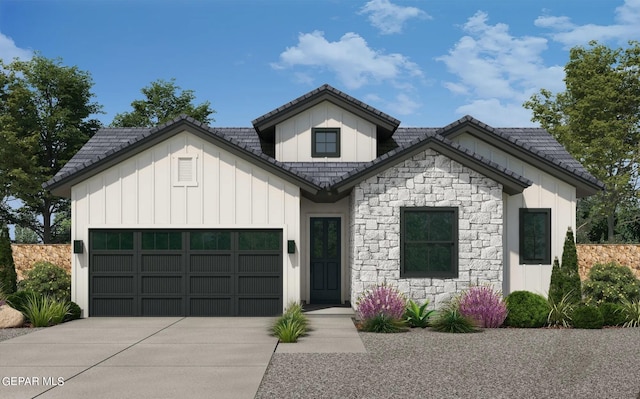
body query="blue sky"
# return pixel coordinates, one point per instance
(426, 62)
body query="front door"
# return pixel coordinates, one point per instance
(325, 260)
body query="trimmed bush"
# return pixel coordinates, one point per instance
(74, 312)
(484, 305)
(589, 317)
(50, 280)
(611, 282)
(8, 276)
(526, 309)
(565, 278)
(612, 314)
(18, 300)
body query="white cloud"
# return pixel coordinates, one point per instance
(9, 50)
(351, 59)
(627, 27)
(390, 18)
(499, 70)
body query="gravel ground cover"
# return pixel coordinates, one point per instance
(8, 333)
(496, 363)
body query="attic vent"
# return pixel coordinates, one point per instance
(185, 171)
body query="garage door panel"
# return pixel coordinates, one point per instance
(210, 307)
(114, 285)
(259, 285)
(259, 263)
(213, 263)
(259, 306)
(162, 263)
(162, 307)
(112, 263)
(162, 285)
(113, 306)
(216, 285)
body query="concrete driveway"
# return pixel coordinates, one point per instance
(139, 358)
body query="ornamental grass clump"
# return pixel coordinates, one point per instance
(381, 309)
(484, 305)
(631, 312)
(291, 325)
(449, 319)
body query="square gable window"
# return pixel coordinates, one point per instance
(325, 142)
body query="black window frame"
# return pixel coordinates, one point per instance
(546, 258)
(325, 154)
(453, 269)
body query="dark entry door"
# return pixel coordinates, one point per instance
(325, 260)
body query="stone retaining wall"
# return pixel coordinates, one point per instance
(623, 254)
(26, 255)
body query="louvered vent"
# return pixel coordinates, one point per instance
(185, 170)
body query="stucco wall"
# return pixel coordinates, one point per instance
(623, 254)
(26, 255)
(426, 179)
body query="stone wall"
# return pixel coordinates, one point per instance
(26, 255)
(623, 254)
(426, 179)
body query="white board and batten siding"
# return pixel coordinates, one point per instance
(546, 192)
(357, 136)
(222, 191)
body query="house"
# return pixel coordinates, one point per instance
(322, 198)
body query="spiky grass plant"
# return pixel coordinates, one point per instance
(291, 325)
(483, 304)
(631, 312)
(417, 315)
(449, 319)
(384, 324)
(560, 313)
(45, 311)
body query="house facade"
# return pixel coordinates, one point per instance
(319, 200)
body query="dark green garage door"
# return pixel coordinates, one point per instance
(185, 273)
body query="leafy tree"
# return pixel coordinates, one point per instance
(45, 110)
(8, 276)
(597, 118)
(25, 235)
(164, 101)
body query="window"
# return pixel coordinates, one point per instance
(535, 236)
(161, 240)
(112, 240)
(210, 240)
(429, 242)
(325, 142)
(185, 170)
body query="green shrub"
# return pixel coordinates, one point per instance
(75, 312)
(382, 323)
(631, 312)
(451, 320)
(50, 280)
(8, 276)
(565, 278)
(44, 311)
(612, 314)
(526, 309)
(585, 316)
(611, 282)
(291, 325)
(417, 315)
(18, 300)
(560, 313)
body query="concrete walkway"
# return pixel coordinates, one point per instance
(331, 330)
(139, 358)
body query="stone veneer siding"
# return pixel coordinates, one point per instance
(426, 179)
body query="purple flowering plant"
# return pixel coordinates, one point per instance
(381, 300)
(483, 304)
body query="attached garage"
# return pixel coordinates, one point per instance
(185, 272)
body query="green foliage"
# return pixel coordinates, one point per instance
(163, 102)
(597, 120)
(47, 279)
(8, 276)
(18, 300)
(44, 311)
(25, 235)
(611, 282)
(291, 325)
(75, 312)
(557, 282)
(631, 312)
(449, 319)
(417, 315)
(589, 317)
(382, 323)
(612, 314)
(560, 313)
(526, 309)
(45, 111)
(565, 283)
